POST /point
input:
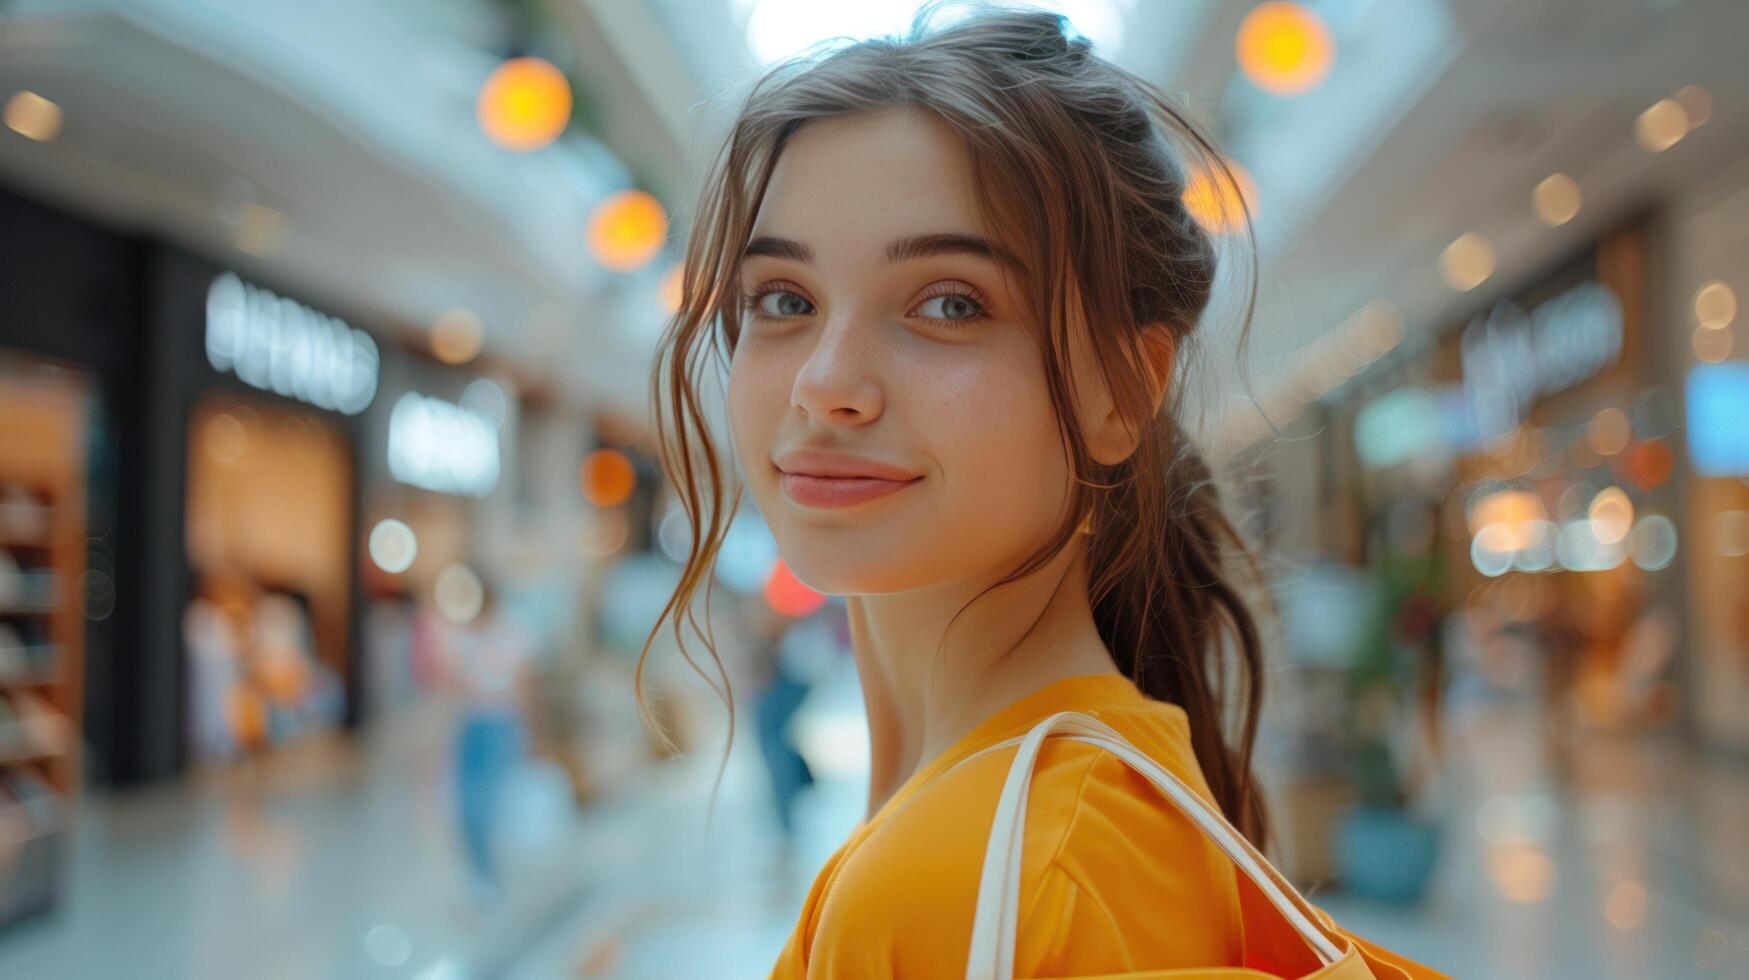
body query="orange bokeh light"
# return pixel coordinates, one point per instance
(1218, 204)
(786, 594)
(672, 288)
(1648, 463)
(525, 104)
(627, 229)
(1284, 48)
(607, 478)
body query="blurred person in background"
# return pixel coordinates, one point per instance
(486, 674)
(782, 689)
(956, 281)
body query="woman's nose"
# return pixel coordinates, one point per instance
(838, 383)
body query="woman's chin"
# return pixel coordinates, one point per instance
(848, 569)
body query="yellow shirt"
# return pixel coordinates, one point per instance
(1113, 877)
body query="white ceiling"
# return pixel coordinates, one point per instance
(355, 120)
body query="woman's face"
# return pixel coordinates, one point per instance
(883, 334)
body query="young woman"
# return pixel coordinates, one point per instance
(953, 279)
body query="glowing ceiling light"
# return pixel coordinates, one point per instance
(1556, 199)
(457, 335)
(30, 115)
(259, 229)
(1715, 305)
(1285, 48)
(1467, 262)
(627, 229)
(525, 104)
(1662, 126)
(1218, 204)
(1697, 102)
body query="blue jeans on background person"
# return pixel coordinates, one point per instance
(487, 745)
(778, 703)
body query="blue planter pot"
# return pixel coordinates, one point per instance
(1384, 853)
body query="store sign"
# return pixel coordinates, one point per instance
(1512, 358)
(278, 345)
(439, 445)
(1718, 407)
(1412, 423)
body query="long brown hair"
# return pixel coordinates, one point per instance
(1079, 171)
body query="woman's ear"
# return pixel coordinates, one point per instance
(1160, 351)
(1112, 440)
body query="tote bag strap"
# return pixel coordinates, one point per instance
(998, 910)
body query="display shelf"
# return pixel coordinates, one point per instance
(42, 630)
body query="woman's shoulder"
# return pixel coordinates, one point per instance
(1106, 857)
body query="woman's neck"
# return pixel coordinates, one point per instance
(1011, 642)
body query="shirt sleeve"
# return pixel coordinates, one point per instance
(1114, 879)
(1133, 885)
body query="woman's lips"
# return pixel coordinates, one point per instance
(824, 478)
(837, 491)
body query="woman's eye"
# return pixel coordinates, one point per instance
(783, 303)
(953, 306)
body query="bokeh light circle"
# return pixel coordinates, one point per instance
(1467, 262)
(1662, 126)
(1218, 204)
(607, 478)
(459, 594)
(626, 231)
(787, 595)
(1612, 516)
(1284, 48)
(457, 335)
(1654, 542)
(393, 546)
(1715, 305)
(525, 104)
(1557, 199)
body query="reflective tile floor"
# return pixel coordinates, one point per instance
(339, 859)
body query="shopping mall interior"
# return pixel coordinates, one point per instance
(334, 522)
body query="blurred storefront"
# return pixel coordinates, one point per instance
(1586, 479)
(1539, 438)
(1705, 244)
(1508, 514)
(218, 607)
(65, 536)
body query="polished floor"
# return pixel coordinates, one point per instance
(1626, 859)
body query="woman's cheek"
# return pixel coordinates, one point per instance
(1010, 454)
(751, 420)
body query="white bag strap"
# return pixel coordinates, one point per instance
(998, 910)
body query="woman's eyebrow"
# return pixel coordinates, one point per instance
(779, 248)
(948, 243)
(909, 247)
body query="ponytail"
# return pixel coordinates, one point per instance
(1168, 605)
